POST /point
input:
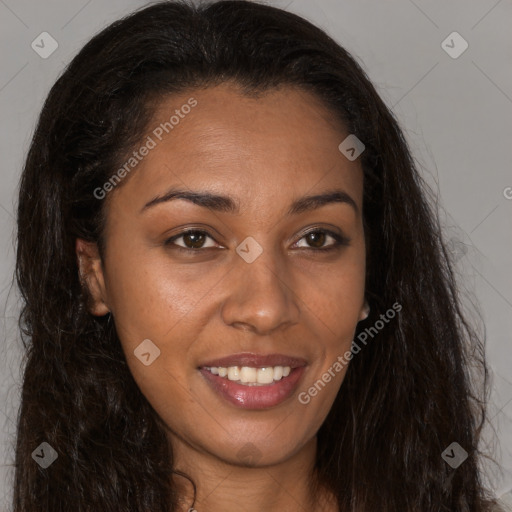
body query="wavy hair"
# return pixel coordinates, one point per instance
(405, 398)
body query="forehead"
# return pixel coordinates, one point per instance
(266, 147)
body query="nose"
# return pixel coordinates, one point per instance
(261, 299)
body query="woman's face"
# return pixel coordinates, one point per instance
(270, 276)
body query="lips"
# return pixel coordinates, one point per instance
(254, 396)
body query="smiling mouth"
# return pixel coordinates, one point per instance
(251, 376)
(254, 381)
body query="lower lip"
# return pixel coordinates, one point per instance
(255, 397)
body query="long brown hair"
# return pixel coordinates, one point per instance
(404, 399)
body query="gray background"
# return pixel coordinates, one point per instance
(456, 114)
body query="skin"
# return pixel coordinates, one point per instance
(294, 299)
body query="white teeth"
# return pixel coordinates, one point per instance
(250, 376)
(233, 373)
(278, 372)
(265, 375)
(247, 374)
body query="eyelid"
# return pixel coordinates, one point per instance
(170, 241)
(339, 239)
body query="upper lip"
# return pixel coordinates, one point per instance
(255, 361)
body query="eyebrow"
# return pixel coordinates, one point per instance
(226, 204)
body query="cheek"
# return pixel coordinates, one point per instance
(334, 299)
(151, 297)
(334, 296)
(164, 303)
(154, 300)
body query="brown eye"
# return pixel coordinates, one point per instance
(315, 239)
(192, 239)
(322, 240)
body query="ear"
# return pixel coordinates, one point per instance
(365, 311)
(91, 276)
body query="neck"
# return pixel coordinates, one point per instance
(226, 487)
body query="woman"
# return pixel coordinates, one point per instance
(236, 294)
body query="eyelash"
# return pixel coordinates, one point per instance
(339, 240)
